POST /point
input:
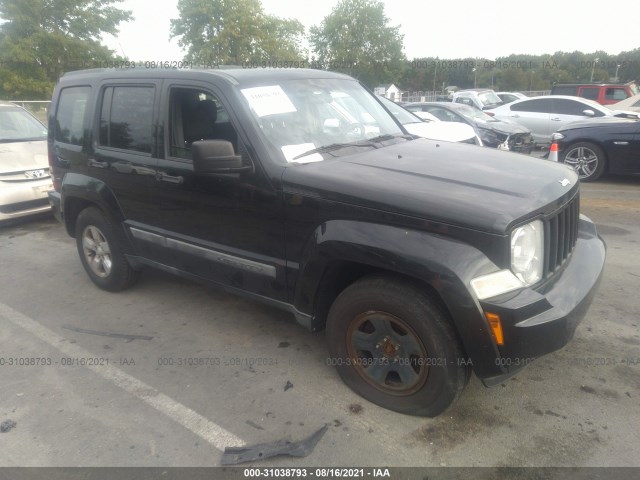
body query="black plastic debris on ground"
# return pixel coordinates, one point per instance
(288, 386)
(127, 337)
(235, 455)
(7, 425)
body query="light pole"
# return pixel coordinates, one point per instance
(531, 80)
(493, 70)
(593, 67)
(617, 68)
(475, 77)
(435, 73)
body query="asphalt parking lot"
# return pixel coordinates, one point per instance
(170, 372)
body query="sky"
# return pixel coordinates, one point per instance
(468, 29)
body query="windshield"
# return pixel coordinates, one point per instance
(16, 125)
(489, 98)
(300, 116)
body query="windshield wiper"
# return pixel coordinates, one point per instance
(383, 138)
(335, 146)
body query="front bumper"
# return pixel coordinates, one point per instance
(55, 203)
(541, 320)
(20, 199)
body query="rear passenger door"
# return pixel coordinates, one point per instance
(125, 152)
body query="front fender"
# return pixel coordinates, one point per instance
(446, 264)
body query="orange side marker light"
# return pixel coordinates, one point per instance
(496, 327)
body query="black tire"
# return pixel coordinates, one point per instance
(399, 329)
(587, 159)
(100, 252)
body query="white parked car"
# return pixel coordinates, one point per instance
(431, 127)
(24, 166)
(545, 115)
(480, 98)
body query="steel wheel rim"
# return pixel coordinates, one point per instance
(583, 160)
(387, 353)
(97, 251)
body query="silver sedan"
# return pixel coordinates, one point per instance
(545, 115)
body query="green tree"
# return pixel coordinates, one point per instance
(234, 32)
(41, 39)
(356, 38)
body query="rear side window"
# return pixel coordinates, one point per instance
(590, 93)
(126, 118)
(70, 116)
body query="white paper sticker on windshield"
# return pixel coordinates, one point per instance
(268, 100)
(292, 151)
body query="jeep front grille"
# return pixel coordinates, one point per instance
(560, 235)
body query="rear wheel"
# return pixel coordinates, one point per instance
(587, 159)
(100, 253)
(394, 345)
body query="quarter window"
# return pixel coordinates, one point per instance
(69, 120)
(126, 118)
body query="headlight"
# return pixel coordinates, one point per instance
(488, 136)
(527, 252)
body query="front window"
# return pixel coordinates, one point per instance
(615, 94)
(298, 117)
(16, 125)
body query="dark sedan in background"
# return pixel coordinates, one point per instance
(493, 132)
(595, 146)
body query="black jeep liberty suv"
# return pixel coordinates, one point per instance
(423, 260)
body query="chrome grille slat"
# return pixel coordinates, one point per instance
(561, 234)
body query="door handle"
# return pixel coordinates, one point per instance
(621, 143)
(556, 119)
(163, 177)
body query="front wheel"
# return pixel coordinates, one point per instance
(394, 345)
(587, 159)
(100, 253)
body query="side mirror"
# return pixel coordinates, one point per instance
(216, 156)
(589, 113)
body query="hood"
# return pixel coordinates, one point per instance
(21, 156)
(445, 131)
(508, 128)
(601, 122)
(451, 183)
